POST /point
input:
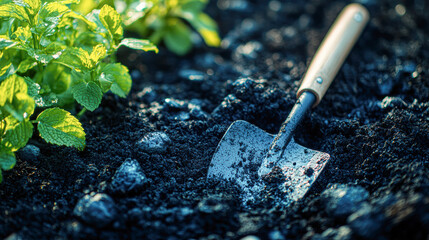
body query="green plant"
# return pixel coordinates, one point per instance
(52, 56)
(165, 20)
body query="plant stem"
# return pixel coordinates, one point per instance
(79, 115)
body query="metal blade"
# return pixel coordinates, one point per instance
(239, 157)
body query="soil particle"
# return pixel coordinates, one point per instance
(129, 178)
(29, 153)
(342, 200)
(154, 142)
(96, 209)
(342, 233)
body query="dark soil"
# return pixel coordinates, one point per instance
(374, 122)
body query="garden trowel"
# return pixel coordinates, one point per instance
(258, 161)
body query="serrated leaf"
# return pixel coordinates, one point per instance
(121, 79)
(21, 34)
(139, 44)
(64, 1)
(178, 37)
(32, 87)
(88, 95)
(59, 127)
(11, 10)
(49, 17)
(17, 133)
(98, 53)
(7, 160)
(32, 6)
(112, 21)
(76, 59)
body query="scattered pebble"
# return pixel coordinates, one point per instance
(29, 153)
(181, 116)
(250, 237)
(366, 223)
(275, 235)
(192, 75)
(342, 200)
(154, 142)
(129, 177)
(96, 209)
(391, 102)
(249, 50)
(342, 233)
(175, 104)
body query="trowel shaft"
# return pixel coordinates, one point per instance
(282, 139)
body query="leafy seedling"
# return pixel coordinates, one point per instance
(51, 57)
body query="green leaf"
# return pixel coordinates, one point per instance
(6, 43)
(88, 95)
(53, 51)
(76, 59)
(112, 21)
(139, 44)
(49, 17)
(98, 53)
(11, 86)
(194, 6)
(178, 37)
(120, 78)
(21, 107)
(64, 1)
(32, 6)
(205, 26)
(17, 133)
(26, 65)
(7, 160)
(57, 77)
(59, 127)
(11, 10)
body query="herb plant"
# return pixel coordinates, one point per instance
(165, 20)
(51, 57)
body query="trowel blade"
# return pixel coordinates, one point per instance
(239, 156)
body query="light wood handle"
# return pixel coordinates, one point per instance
(333, 50)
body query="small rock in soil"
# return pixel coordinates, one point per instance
(276, 235)
(249, 50)
(174, 104)
(154, 142)
(391, 102)
(29, 153)
(192, 75)
(129, 177)
(96, 209)
(250, 237)
(342, 200)
(342, 233)
(367, 223)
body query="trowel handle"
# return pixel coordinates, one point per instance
(333, 50)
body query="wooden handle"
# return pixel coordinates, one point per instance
(333, 50)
